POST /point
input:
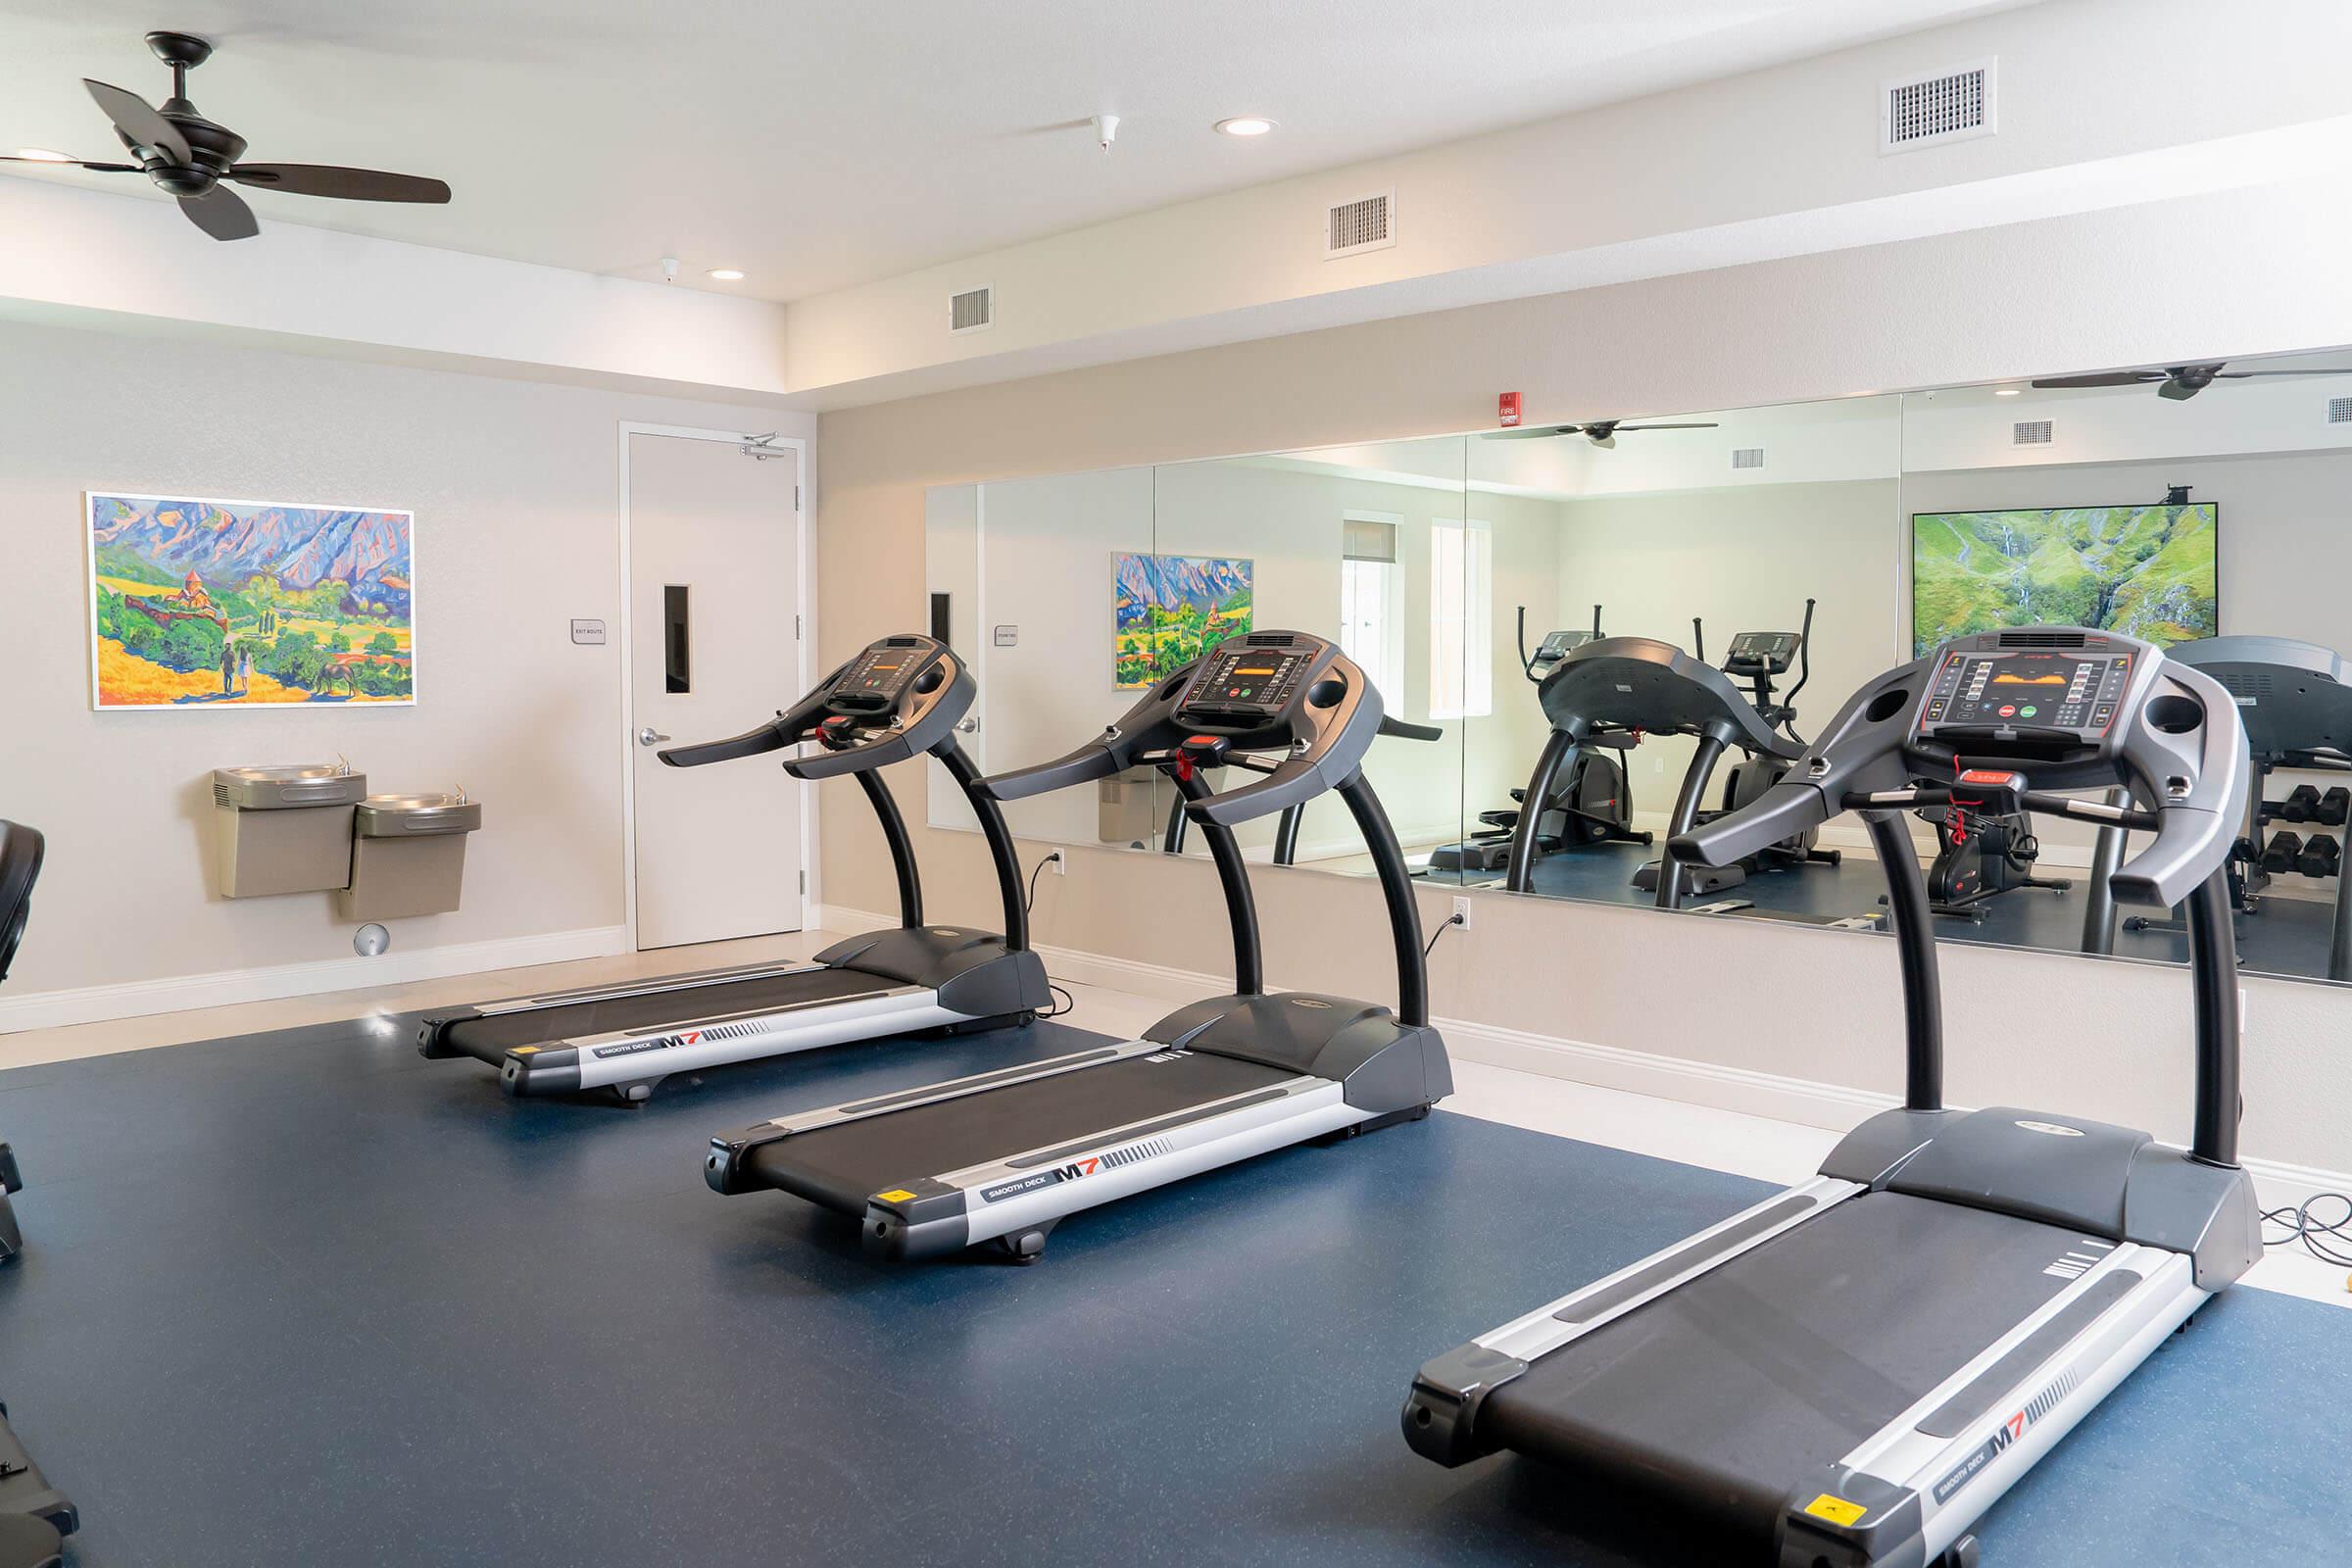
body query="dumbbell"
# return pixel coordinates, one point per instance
(2302, 804)
(2285, 850)
(2321, 856)
(2334, 807)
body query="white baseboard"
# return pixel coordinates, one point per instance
(138, 999)
(1803, 1101)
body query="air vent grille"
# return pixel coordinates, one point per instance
(1269, 639)
(2339, 410)
(1949, 106)
(1748, 457)
(972, 310)
(2041, 639)
(1365, 223)
(2031, 433)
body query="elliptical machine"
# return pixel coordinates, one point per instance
(1980, 856)
(1590, 802)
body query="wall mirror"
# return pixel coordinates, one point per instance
(1796, 551)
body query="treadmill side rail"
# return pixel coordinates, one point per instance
(1912, 1489)
(633, 1055)
(1605, 1300)
(23, 1490)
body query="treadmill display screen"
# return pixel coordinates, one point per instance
(881, 671)
(2065, 689)
(1261, 681)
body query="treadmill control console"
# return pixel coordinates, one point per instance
(2074, 690)
(1251, 684)
(884, 669)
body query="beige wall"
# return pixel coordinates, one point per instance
(2099, 1038)
(514, 487)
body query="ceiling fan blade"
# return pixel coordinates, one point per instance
(139, 124)
(349, 184)
(2104, 378)
(222, 213)
(2239, 375)
(1530, 433)
(78, 163)
(1706, 424)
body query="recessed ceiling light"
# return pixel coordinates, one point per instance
(725, 275)
(1244, 125)
(45, 155)
(2008, 391)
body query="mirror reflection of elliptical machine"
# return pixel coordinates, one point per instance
(1591, 801)
(1758, 658)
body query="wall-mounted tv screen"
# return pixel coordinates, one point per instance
(2146, 571)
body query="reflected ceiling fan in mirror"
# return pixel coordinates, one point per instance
(189, 156)
(2177, 381)
(1601, 433)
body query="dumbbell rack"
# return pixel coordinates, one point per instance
(2253, 864)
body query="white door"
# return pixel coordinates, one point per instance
(715, 594)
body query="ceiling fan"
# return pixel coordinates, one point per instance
(2178, 382)
(189, 156)
(1600, 433)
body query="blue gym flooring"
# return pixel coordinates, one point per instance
(305, 1298)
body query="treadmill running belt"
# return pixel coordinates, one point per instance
(1729, 1392)
(843, 1165)
(493, 1037)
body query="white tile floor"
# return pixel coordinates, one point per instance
(1696, 1135)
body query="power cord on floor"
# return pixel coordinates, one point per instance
(2328, 1241)
(1452, 922)
(1067, 1002)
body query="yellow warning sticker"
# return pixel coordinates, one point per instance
(1837, 1510)
(897, 1194)
(524, 1050)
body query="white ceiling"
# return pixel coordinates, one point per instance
(818, 145)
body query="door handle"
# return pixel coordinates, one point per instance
(647, 737)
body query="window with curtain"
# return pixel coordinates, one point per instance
(1461, 622)
(1372, 601)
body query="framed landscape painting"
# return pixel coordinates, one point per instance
(198, 603)
(1168, 610)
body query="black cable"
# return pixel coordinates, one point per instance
(1029, 899)
(2322, 1239)
(1067, 1002)
(1452, 922)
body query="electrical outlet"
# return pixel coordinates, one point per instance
(1461, 913)
(1059, 863)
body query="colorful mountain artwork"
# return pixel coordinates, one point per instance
(243, 604)
(1168, 610)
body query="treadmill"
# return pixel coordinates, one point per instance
(1618, 685)
(34, 1516)
(1001, 1158)
(1853, 1370)
(2295, 699)
(902, 697)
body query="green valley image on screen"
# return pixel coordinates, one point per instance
(2145, 571)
